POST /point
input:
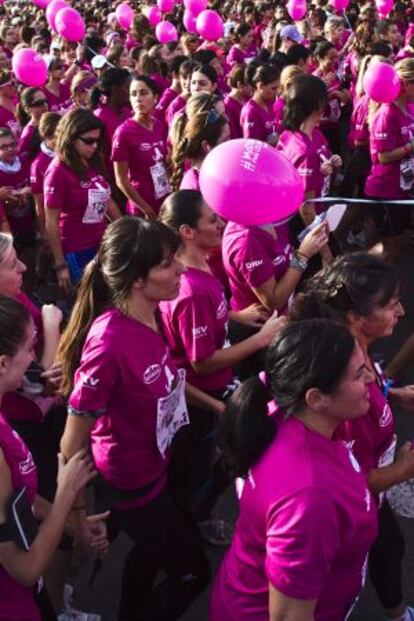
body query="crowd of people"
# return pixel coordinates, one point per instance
(153, 356)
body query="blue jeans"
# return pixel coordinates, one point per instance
(77, 261)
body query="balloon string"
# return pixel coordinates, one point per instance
(366, 201)
(95, 53)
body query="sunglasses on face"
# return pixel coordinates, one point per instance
(89, 141)
(38, 103)
(8, 146)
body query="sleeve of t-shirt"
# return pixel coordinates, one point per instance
(94, 381)
(301, 542)
(252, 263)
(54, 187)
(250, 125)
(195, 322)
(120, 151)
(36, 182)
(385, 133)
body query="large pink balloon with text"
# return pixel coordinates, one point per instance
(249, 182)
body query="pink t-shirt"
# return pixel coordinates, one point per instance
(161, 82)
(307, 155)
(233, 111)
(24, 140)
(112, 120)
(359, 120)
(19, 214)
(16, 601)
(307, 521)
(145, 151)
(256, 122)
(8, 119)
(251, 256)
(195, 325)
(59, 103)
(237, 55)
(191, 180)
(125, 369)
(332, 111)
(82, 203)
(177, 105)
(166, 98)
(38, 170)
(278, 111)
(390, 129)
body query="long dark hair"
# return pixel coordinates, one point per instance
(306, 95)
(357, 282)
(74, 124)
(14, 319)
(310, 354)
(130, 247)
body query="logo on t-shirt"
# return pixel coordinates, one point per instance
(152, 373)
(200, 331)
(251, 265)
(222, 310)
(88, 380)
(354, 462)
(27, 466)
(386, 416)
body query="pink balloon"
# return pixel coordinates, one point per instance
(153, 15)
(52, 10)
(340, 5)
(195, 6)
(42, 4)
(381, 82)
(189, 22)
(29, 67)
(209, 25)
(249, 182)
(165, 6)
(125, 15)
(384, 7)
(110, 17)
(166, 32)
(296, 9)
(70, 24)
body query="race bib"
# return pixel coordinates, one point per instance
(160, 180)
(97, 206)
(407, 174)
(172, 414)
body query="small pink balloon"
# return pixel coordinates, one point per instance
(209, 25)
(195, 6)
(165, 6)
(382, 83)
(124, 15)
(384, 7)
(52, 10)
(189, 22)
(29, 67)
(42, 4)
(166, 32)
(296, 9)
(153, 15)
(110, 17)
(70, 24)
(243, 172)
(340, 5)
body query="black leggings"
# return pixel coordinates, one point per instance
(385, 559)
(164, 540)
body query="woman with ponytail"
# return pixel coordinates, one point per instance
(257, 117)
(363, 292)
(32, 106)
(306, 518)
(129, 407)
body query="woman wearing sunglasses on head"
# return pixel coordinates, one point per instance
(77, 196)
(139, 152)
(32, 106)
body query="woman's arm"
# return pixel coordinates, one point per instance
(387, 157)
(26, 567)
(381, 479)
(51, 319)
(113, 212)
(52, 228)
(40, 213)
(283, 608)
(200, 399)
(124, 184)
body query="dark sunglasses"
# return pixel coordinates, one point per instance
(89, 141)
(38, 103)
(8, 146)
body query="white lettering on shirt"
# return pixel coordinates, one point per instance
(152, 373)
(386, 416)
(89, 381)
(200, 331)
(251, 265)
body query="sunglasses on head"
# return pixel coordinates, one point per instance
(89, 141)
(38, 103)
(212, 117)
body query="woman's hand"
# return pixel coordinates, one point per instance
(98, 533)
(254, 315)
(271, 329)
(54, 375)
(51, 316)
(326, 168)
(6, 193)
(64, 279)
(74, 475)
(314, 241)
(336, 161)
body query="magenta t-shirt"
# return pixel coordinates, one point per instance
(59, 103)
(191, 180)
(359, 120)
(278, 111)
(8, 119)
(233, 112)
(145, 151)
(82, 202)
(177, 105)
(125, 369)
(166, 98)
(307, 155)
(16, 601)
(38, 170)
(24, 140)
(111, 120)
(256, 122)
(195, 325)
(390, 129)
(251, 256)
(307, 521)
(19, 214)
(237, 55)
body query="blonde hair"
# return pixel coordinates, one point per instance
(405, 69)
(287, 76)
(333, 23)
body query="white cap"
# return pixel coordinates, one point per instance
(98, 61)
